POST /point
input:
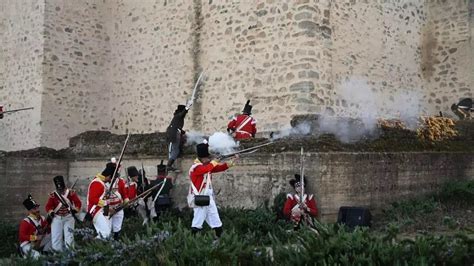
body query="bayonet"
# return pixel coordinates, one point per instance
(193, 95)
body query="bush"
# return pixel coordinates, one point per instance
(9, 237)
(459, 192)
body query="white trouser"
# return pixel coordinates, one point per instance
(102, 225)
(45, 246)
(151, 207)
(141, 209)
(207, 213)
(117, 221)
(62, 226)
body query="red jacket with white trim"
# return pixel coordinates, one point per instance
(27, 231)
(95, 195)
(198, 170)
(293, 200)
(243, 132)
(53, 202)
(119, 193)
(132, 190)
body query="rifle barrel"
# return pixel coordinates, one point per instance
(245, 150)
(17, 110)
(114, 178)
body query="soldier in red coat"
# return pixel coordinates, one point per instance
(61, 216)
(297, 210)
(200, 175)
(33, 233)
(133, 191)
(118, 197)
(132, 187)
(96, 201)
(243, 126)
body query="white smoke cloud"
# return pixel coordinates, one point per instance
(364, 106)
(193, 138)
(219, 142)
(300, 130)
(222, 143)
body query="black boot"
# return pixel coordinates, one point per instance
(169, 165)
(218, 231)
(117, 236)
(195, 230)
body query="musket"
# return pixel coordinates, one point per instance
(193, 95)
(17, 110)
(302, 174)
(128, 177)
(74, 184)
(65, 204)
(142, 195)
(143, 178)
(114, 177)
(247, 150)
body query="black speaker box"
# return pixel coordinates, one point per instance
(354, 216)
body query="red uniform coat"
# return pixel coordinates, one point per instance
(53, 202)
(132, 190)
(119, 193)
(293, 200)
(248, 130)
(198, 170)
(28, 232)
(95, 194)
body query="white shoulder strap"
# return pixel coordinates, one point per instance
(197, 192)
(159, 191)
(245, 122)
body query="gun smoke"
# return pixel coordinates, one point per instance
(219, 142)
(362, 107)
(300, 130)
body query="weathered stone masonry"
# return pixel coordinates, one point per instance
(123, 65)
(337, 179)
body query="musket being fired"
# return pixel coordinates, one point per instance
(12, 111)
(244, 151)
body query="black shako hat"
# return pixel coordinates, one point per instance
(30, 203)
(297, 181)
(132, 171)
(247, 108)
(59, 182)
(109, 169)
(202, 150)
(161, 168)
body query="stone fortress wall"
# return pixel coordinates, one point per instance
(123, 65)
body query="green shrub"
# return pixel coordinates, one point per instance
(459, 192)
(9, 237)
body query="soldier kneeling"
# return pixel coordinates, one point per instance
(34, 234)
